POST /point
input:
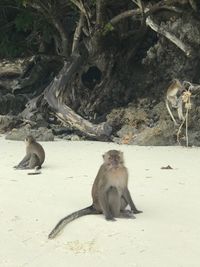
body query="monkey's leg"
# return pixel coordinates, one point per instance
(117, 205)
(170, 113)
(180, 109)
(23, 163)
(34, 162)
(103, 201)
(123, 212)
(114, 201)
(128, 198)
(123, 204)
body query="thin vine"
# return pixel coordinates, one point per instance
(186, 98)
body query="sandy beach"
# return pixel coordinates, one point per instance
(166, 234)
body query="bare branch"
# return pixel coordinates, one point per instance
(79, 5)
(147, 12)
(58, 25)
(78, 31)
(83, 10)
(41, 8)
(161, 30)
(48, 13)
(159, 6)
(124, 15)
(141, 7)
(100, 5)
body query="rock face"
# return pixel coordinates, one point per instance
(40, 134)
(152, 126)
(8, 122)
(100, 81)
(155, 136)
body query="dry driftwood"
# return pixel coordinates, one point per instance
(54, 95)
(170, 36)
(68, 116)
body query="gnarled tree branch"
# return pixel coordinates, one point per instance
(161, 30)
(145, 11)
(84, 10)
(100, 6)
(78, 31)
(48, 13)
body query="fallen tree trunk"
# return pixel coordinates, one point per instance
(68, 116)
(161, 30)
(53, 94)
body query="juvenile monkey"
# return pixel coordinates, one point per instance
(173, 90)
(110, 193)
(34, 157)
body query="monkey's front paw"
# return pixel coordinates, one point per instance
(127, 214)
(110, 218)
(137, 211)
(15, 167)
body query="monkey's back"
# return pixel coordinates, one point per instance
(37, 149)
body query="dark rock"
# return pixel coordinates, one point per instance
(8, 122)
(40, 134)
(72, 137)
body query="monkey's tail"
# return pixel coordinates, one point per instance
(63, 222)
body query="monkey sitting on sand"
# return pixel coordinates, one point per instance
(34, 157)
(110, 193)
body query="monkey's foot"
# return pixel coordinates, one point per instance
(18, 167)
(137, 211)
(128, 214)
(21, 167)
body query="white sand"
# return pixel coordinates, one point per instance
(166, 234)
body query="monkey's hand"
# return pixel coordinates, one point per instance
(15, 167)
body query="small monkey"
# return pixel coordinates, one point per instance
(34, 157)
(110, 193)
(172, 98)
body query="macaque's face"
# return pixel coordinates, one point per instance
(113, 158)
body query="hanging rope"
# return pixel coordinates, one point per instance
(186, 98)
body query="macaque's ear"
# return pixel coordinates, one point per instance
(105, 157)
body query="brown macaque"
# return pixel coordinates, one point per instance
(34, 157)
(110, 193)
(173, 90)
